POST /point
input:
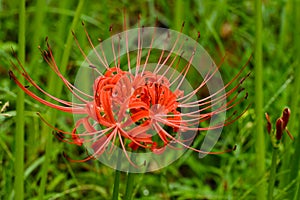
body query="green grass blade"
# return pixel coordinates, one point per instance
(19, 151)
(259, 137)
(294, 173)
(57, 87)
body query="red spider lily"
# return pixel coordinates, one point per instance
(141, 110)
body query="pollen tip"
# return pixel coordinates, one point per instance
(82, 23)
(110, 28)
(13, 51)
(241, 90)
(46, 38)
(183, 23)
(65, 155)
(249, 73)
(234, 147)
(11, 75)
(199, 34)
(246, 95)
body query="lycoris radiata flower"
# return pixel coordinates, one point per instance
(132, 99)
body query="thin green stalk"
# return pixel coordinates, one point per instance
(272, 173)
(259, 137)
(57, 87)
(34, 57)
(130, 182)
(286, 31)
(178, 14)
(295, 161)
(19, 153)
(52, 115)
(129, 186)
(297, 194)
(115, 195)
(38, 25)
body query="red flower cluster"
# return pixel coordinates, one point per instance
(137, 111)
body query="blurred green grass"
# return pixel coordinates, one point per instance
(225, 26)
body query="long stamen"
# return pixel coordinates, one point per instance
(77, 110)
(139, 49)
(149, 51)
(48, 56)
(189, 147)
(171, 51)
(126, 41)
(113, 46)
(94, 49)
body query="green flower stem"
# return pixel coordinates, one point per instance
(178, 14)
(37, 35)
(115, 195)
(272, 173)
(129, 186)
(260, 137)
(288, 25)
(35, 42)
(57, 87)
(295, 161)
(297, 194)
(19, 151)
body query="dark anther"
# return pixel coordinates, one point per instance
(240, 90)
(234, 113)
(11, 75)
(234, 148)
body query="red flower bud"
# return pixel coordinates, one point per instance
(279, 128)
(285, 117)
(269, 125)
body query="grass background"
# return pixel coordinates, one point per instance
(225, 26)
